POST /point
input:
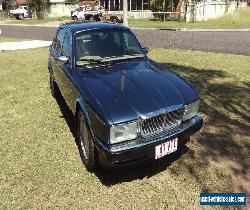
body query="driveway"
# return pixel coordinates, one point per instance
(23, 45)
(211, 41)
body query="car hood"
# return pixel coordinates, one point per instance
(133, 89)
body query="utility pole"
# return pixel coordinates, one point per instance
(164, 10)
(125, 12)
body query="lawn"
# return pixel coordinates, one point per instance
(41, 167)
(239, 19)
(7, 39)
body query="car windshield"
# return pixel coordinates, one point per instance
(106, 45)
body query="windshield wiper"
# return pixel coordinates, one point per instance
(94, 61)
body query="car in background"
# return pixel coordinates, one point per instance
(21, 13)
(127, 108)
(87, 13)
(97, 13)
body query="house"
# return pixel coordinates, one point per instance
(117, 5)
(136, 8)
(202, 11)
(59, 8)
(133, 5)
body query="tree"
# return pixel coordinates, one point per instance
(8, 4)
(158, 5)
(72, 1)
(40, 7)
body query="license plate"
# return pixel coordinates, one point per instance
(166, 148)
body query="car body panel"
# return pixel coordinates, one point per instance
(131, 89)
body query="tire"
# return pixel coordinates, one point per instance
(114, 20)
(21, 16)
(75, 19)
(85, 143)
(53, 87)
(91, 18)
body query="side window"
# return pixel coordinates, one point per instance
(59, 39)
(66, 49)
(131, 44)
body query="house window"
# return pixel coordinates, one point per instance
(115, 5)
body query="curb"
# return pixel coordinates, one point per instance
(160, 29)
(36, 25)
(194, 29)
(215, 30)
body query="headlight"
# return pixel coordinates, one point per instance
(120, 133)
(191, 110)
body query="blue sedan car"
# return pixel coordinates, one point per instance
(127, 107)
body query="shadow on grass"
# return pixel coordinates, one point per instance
(139, 171)
(67, 114)
(225, 105)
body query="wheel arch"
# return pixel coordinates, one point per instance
(81, 105)
(49, 65)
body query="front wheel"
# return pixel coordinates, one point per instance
(21, 16)
(85, 143)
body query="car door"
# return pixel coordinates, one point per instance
(69, 91)
(56, 52)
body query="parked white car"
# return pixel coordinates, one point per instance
(87, 13)
(21, 12)
(78, 14)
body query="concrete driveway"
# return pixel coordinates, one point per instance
(4, 46)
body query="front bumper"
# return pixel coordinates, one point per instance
(143, 149)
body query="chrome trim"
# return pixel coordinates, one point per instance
(163, 122)
(139, 142)
(161, 111)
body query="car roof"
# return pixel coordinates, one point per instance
(81, 26)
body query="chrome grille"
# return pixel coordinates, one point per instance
(160, 123)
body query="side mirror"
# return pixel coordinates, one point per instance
(145, 50)
(62, 60)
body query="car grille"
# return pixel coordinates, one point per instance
(161, 123)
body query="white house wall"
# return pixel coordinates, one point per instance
(61, 9)
(212, 9)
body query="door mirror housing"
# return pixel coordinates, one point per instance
(62, 60)
(145, 50)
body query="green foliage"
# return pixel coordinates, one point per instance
(71, 1)
(40, 7)
(158, 5)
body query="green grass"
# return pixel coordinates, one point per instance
(44, 21)
(7, 39)
(41, 167)
(239, 19)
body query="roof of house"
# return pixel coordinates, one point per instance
(21, 2)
